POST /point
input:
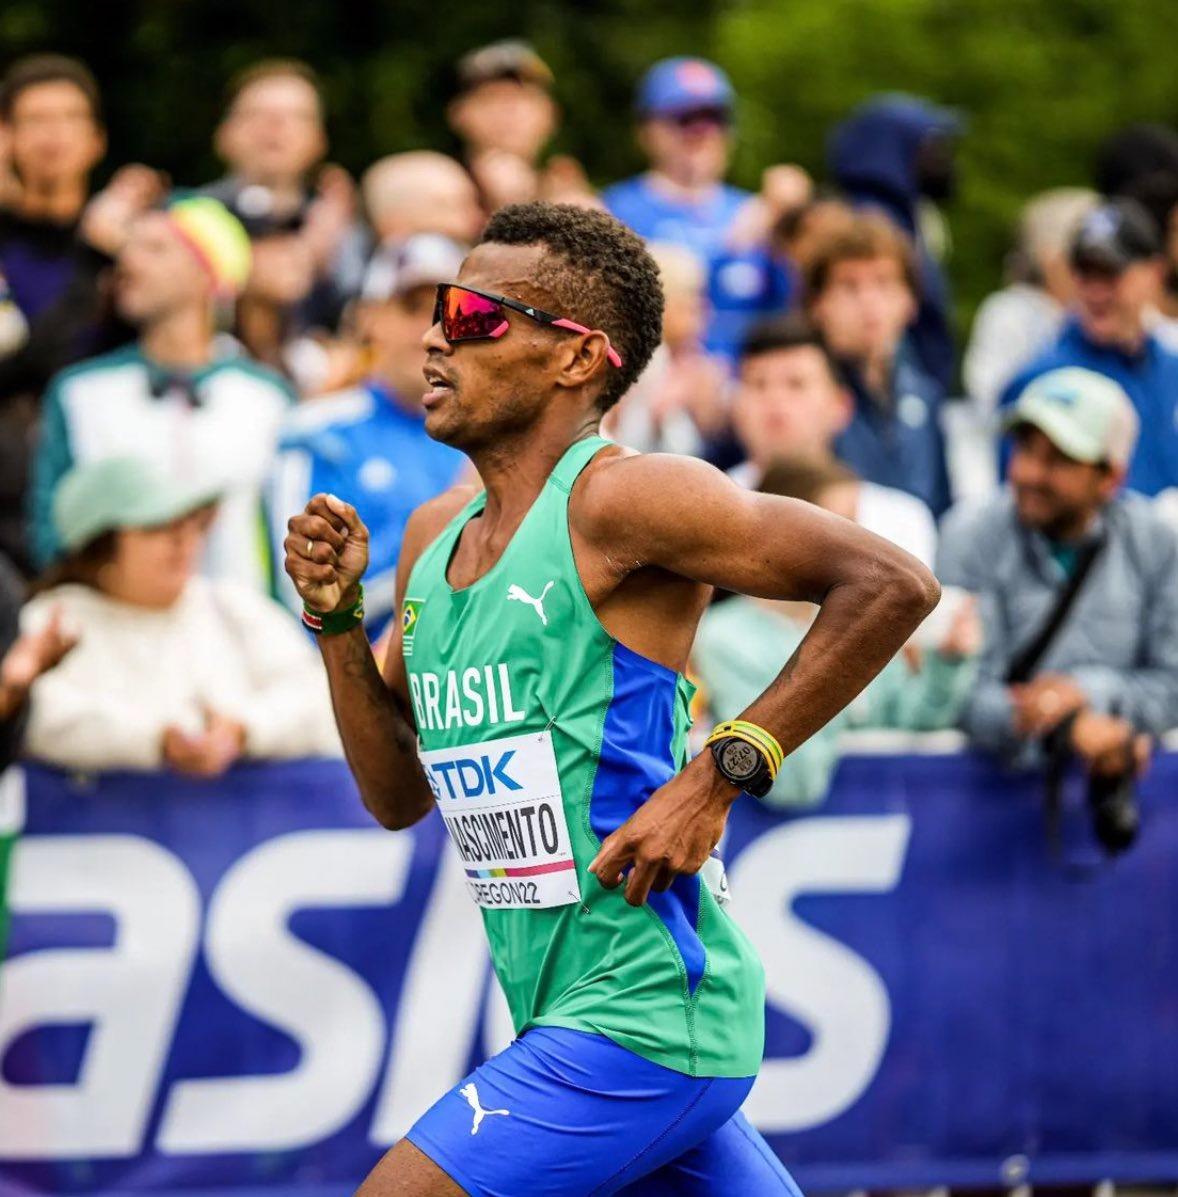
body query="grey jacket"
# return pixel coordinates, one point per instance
(1119, 642)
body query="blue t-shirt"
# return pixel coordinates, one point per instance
(1150, 379)
(373, 452)
(900, 445)
(743, 286)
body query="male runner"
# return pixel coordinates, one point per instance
(546, 622)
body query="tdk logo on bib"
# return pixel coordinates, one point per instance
(472, 777)
(502, 805)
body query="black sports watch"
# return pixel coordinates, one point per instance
(743, 764)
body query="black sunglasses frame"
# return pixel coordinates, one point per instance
(533, 313)
(537, 314)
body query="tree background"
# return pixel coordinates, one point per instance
(1039, 83)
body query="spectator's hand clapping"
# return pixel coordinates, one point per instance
(784, 188)
(504, 178)
(326, 553)
(107, 218)
(209, 754)
(965, 634)
(329, 216)
(563, 181)
(28, 658)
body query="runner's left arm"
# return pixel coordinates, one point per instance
(871, 596)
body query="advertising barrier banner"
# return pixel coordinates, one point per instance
(248, 988)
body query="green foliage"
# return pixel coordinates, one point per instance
(1039, 82)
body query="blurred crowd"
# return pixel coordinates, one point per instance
(182, 366)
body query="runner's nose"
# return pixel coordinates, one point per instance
(434, 341)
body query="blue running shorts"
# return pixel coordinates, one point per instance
(567, 1114)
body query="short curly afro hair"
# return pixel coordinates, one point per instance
(600, 275)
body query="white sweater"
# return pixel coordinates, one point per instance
(135, 671)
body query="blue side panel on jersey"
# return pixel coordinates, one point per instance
(636, 759)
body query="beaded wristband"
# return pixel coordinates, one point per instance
(335, 623)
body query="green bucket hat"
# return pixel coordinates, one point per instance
(120, 492)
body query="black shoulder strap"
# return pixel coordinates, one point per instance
(1026, 659)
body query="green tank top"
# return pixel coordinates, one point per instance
(540, 734)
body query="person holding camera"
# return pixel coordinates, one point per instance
(1078, 593)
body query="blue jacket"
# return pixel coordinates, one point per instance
(1150, 379)
(900, 445)
(369, 450)
(872, 159)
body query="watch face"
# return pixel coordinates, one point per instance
(739, 760)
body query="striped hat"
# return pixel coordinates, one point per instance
(216, 237)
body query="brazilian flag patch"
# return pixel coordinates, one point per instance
(410, 614)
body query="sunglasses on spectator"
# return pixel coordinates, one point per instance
(701, 116)
(466, 314)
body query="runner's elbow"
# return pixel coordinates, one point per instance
(913, 586)
(393, 810)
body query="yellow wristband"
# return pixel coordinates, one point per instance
(753, 734)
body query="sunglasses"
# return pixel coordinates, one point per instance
(469, 315)
(701, 116)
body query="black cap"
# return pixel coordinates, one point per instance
(503, 60)
(1114, 236)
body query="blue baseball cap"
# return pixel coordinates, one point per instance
(676, 85)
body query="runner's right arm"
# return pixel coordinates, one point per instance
(372, 711)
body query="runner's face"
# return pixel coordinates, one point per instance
(481, 391)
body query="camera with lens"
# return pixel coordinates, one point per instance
(1112, 797)
(1113, 803)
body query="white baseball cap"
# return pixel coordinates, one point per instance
(1085, 415)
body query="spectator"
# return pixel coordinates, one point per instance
(685, 114)
(23, 659)
(861, 293)
(1140, 162)
(308, 249)
(202, 415)
(1110, 671)
(505, 115)
(1132, 154)
(55, 247)
(421, 192)
(1014, 325)
(895, 153)
(1117, 271)
(171, 671)
(792, 405)
(369, 444)
(743, 642)
(681, 399)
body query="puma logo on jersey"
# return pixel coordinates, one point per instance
(537, 604)
(472, 1099)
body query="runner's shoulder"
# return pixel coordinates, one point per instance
(623, 489)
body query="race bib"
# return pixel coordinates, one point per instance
(501, 803)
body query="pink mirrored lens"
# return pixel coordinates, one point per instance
(469, 317)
